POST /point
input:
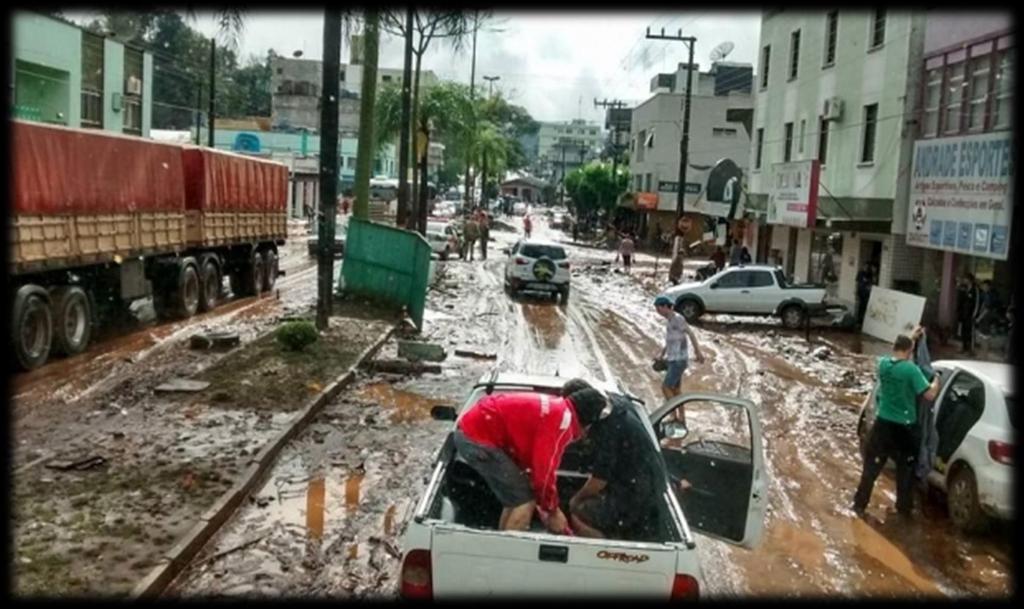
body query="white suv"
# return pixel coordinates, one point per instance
(537, 266)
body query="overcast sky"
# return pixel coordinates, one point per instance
(548, 62)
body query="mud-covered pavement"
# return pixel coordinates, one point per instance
(329, 517)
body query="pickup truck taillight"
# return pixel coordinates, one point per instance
(685, 587)
(417, 578)
(563, 265)
(1001, 452)
(522, 261)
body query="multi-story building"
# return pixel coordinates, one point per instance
(960, 208)
(65, 75)
(720, 100)
(839, 87)
(564, 146)
(296, 88)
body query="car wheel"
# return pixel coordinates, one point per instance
(962, 498)
(793, 317)
(72, 319)
(690, 309)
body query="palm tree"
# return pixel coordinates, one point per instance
(491, 147)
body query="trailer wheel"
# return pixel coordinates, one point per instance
(72, 319)
(210, 285)
(270, 270)
(179, 299)
(31, 327)
(257, 274)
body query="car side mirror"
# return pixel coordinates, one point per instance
(442, 413)
(714, 286)
(674, 430)
(506, 251)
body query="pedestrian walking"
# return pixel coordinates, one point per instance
(736, 254)
(895, 433)
(674, 356)
(864, 282)
(718, 257)
(745, 256)
(626, 249)
(968, 305)
(484, 221)
(527, 226)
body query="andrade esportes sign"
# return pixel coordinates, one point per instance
(793, 193)
(960, 194)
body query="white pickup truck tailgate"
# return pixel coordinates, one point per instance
(481, 563)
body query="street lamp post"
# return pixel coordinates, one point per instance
(490, 84)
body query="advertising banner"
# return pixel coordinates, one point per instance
(793, 193)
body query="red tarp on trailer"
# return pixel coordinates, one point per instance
(218, 181)
(60, 170)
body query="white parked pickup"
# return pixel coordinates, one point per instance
(451, 547)
(749, 290)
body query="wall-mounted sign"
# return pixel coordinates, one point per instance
(793, 193)
(692, 188)
(646, 200)
(961, 194)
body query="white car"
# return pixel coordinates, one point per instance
(749, 290)
(519, 208)
(452, 548)
(976, 423)
(442, 239)
(538, 266)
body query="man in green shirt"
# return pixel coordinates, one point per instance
(894, 433)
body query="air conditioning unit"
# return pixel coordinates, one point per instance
(833, 110)
(133, 86)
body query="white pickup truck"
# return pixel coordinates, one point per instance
(451, 547)
(750, 290)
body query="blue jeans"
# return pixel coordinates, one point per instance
(674, 373)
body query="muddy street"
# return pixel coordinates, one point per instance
(327, 520)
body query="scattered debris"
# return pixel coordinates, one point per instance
(77, 464)
(215, 340)
(397, 366)
(180, 385)
(417, 351)
(241, 546)
(822, 353)
(475, 354)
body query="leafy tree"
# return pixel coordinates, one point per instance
(593, 188)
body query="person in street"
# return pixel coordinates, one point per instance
(736, 254)
(989, 306)
(745, 256)
(575, 228)
(527, 225)
(864, 282)
(718, 257)
(470, 233)
(895, 433)
(676, 349)
(968, 304)
(627, 248)
(626, 481)
(484, 222)
(515, 441)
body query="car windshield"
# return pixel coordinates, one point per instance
(532, 250)
(436, 228)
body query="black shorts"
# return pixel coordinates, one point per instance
(508, 483)
(605, 514)
(627, 259)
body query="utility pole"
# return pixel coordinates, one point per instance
(490, 84)
(684, 144)
(199, 109)
(328, 164)
(213, 87)
(403, 141)
(467, 187)
(615, 104)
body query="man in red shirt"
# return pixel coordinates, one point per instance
(515, 441)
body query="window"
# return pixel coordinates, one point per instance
(787, 145)
(532, 250)
(761, 279)
(760, 148)
(736, 279)
(979, 68)
(341, 75)
(877, 28)
(280, 71)
(1004, 90)
(867, 152)
(641, 137)
(92, 80)
(932, 95)
(781, 278)
(638, 182)
(954, 98)
(803, 134)
(350, 162)
(650, 139)
(822, 141)
(766, 55)
(723, 132)
(132, 109)
(794, 54)
(649, 179)
(831, 36)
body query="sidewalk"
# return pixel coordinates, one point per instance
(105, 489)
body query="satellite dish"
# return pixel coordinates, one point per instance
(720, 51)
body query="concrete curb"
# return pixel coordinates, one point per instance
(174, 561)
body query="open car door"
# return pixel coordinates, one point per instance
(715, 462)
